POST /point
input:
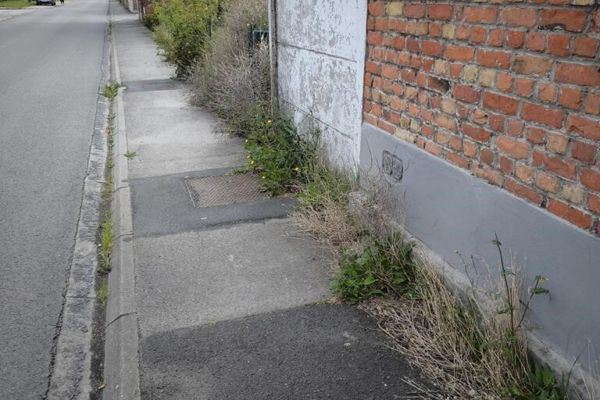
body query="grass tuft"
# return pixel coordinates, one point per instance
(106, 243)
(111, 90)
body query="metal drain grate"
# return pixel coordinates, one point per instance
(211, 191)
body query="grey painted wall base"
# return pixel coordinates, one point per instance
(449, 210)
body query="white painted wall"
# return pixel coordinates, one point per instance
(321, 58)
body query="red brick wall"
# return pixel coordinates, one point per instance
(508, 91)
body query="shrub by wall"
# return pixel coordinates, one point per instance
(509, 90)
(182, 29)
(232, 77)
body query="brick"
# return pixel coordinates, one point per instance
(448, 106)
(459, 53)
(574, 216)
(375, 38)
(585, 46)
(414, 10)
(536, 135)
(480, 117)
(487, 77)
(433, 148)
(486, 156)
(572, 193)
(543, 115)
(523, 191)
(547, 92)
(458, 160)
(578, 74)
(570, 20)
(439, 11)
(547, 182)
(469, 73)
(514, 16)
(376, 8)
(497, 102)
(448, 31)
(495, 38)
(592, 104)
(373, 68)
(558, 165)
(506, 164)
(490, 175)
(481, 14)
(594, 203)
(524, 86)
(446, 121)
(558, 45)
(470, 148)
(496, 122)
(466, 93)
(463, 32)
(504, 82)
(431, 48)
(584, 151)
(399, 42)
(531, 65)
(389, 71)
(478, 35)
(590, 178)
(515, 39)
(493, 58)
(536, 41)
(570, 98)
(435, 29)
(524, 172)
(455, 70)
(475, 132)
(394, 9)
(515, 128)
(584, 127)
(557, 143)
(512, 147)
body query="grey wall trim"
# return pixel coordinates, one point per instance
(450, 210)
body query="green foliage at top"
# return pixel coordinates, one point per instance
(385, 266)
(183, 29)
(283, 157)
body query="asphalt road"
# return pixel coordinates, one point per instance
(50, 63)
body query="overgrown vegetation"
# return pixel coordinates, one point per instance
(284, 158)
(467, 352)
(232, 77)
(15, 4)
(182, 29)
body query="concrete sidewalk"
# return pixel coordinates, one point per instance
(230, 299)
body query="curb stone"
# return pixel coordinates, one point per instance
(71, 366)
(121, 361)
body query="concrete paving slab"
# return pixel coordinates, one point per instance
(198, 277)
(313, 352)
(162, 206)
(170, 136)
(138, 56)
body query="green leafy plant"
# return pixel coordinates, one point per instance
(111, 90)
(183, 29)
(103, 292)
(385, 266)
(130, 154)
(106, 243)
(279, 154)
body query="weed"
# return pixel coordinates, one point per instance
(130, 154)
(103, 292)
(111, 90)
(385, 266)
(106, 242)
(283, 157)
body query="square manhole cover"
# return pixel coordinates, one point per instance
(211, 191)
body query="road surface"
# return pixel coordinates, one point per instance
(50, 62)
